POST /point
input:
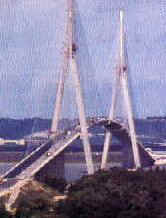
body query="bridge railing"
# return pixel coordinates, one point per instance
(14, 171)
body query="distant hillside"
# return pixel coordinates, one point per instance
(16, 129)
(151, 127)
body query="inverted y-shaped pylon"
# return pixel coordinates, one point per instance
(70, 62)
(122, 81)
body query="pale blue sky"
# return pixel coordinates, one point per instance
(31, 54)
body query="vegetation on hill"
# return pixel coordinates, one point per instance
(19, 128)
(116, 194)
(35, 200)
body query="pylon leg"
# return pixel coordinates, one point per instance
(108, 135)
(82, 117)
(59, 99)
(130, 121)
(63, 75)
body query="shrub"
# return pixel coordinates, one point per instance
(116, 194)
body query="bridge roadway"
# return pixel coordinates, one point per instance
(31, 164)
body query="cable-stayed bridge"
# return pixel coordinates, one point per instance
(135, 155)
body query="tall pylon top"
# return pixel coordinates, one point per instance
(72, 45)
(122, 58)
(70, 26)
(121, 15)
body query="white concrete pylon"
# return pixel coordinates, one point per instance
(121, 79)
(79, 95)
(82, 117)
(131, 122)
(108, 135)
(70, 57)
(63, 74)
(127, 100)
(59, 97)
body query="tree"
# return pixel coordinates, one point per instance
(116, 194)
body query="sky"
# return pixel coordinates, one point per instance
(32, 36)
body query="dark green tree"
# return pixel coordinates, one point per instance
(116, 194)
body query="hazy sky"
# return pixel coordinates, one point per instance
(31, 54)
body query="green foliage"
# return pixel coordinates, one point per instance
(58, 184)
(27, 211)
(116, 194)
(107, 194)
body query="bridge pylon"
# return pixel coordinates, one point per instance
(122, 82)
(71, 62)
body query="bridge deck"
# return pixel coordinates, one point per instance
(30, 165)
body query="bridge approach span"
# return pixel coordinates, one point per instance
(31, 164)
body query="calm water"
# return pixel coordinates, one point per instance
(73, 171)
(5, 166)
